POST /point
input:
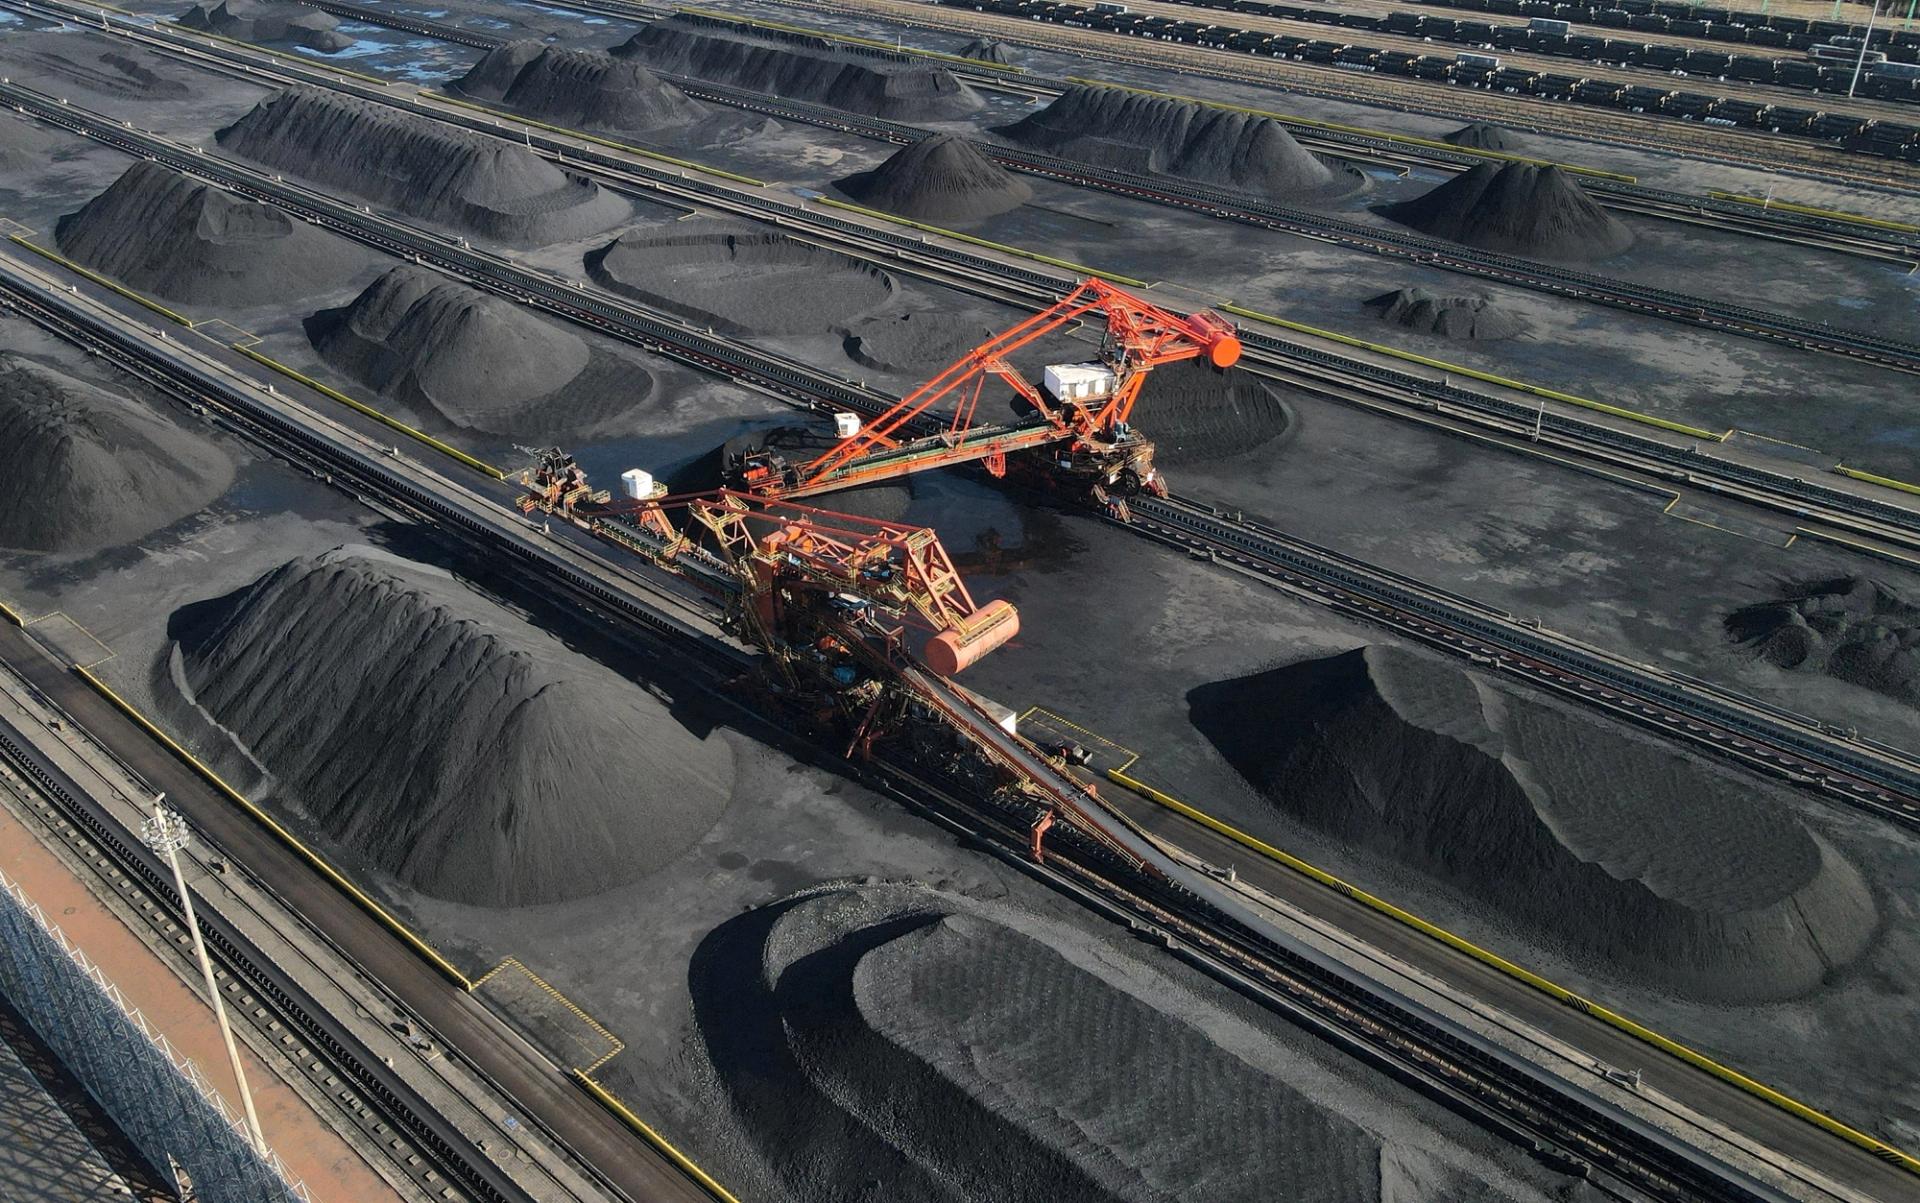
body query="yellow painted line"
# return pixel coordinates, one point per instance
(517, 119)
(1858, 219)
(12, 615)
(1854, 545)
(618, 1045)
(1407, 139)
(1037, 257)
(1885, 482)
(286, 837)
(870, 43)
(1475, 374)
(103, 282)
(452, 452)
(610, 1102)
(1614, 1019)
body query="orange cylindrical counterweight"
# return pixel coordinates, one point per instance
(1221, 338)
(950, 652)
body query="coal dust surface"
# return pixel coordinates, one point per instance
(943, 178)
(24, 144)
(249, 21)
(919, 343)
(82, 468)
(1482, 135)
(1853, 629)
(444, 739)
(1628, 853)
(1129, 131)
(1471, 319)
(585, 89)
(1519, 209)
(473, 360)
(109, 74)
(166, 235)
(987, 51)
(470, 181)
(1195, 413)
(740, 279)
(802, 67)
(957, 1049)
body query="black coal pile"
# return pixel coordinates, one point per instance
(801, 67)
(248, 21)
(472, 360)
(1463, 318)
(1112, 127)
(476, 183)
(161, 233)
(938, 1043)
(940, 179)
(1196, 414)
(1853, 629)
(917, 343)
(797, 445)
(444, 739)
(82, 468)
(987, 51)
(740, 279)
(1631, 855)
(585, 89)
(1481, 135)
(1519, 209)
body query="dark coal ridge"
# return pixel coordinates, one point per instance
(1519, 209)
(1195, 413)
(470, 181)
(987, 51)
(1850, 628)
(1112, 127)
(1482, 135)
(166, 235)
(802, 67)
(586, 89)
(82, 468)
(442, 738)
(1460, 318)
(249, 21)
(941, 178)
(1620, 851)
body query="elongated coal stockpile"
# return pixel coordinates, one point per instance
(1112, 127)
(295, 24)
(1463, 318)
(1636, 859)
(943, 178)
(1195, 413)
(438, 736)
(82, 468)
(472, 182)
(1850, 628)
(166, 235)
(1481, 135)
(1519, 209)
(802, 67)
(582, 88)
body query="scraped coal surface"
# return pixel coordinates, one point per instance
(802, 67)
(586, 89)
(947, 1047)
(473, 360)
(295, 24)
(25, 145)
(476, 183)
(987, 51)
(1464, 318)
(941, 178)
(164, 234)
(1851, 628)
(1629, 853)
(740, 279)
(797, 445)
(1197, 414)
(1481, 135)
(1111, 127)
(917, 343)
(112, 73)
(444, 739)
(82, 468)
(1519, 209)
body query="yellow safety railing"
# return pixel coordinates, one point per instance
(657, 157)
(1885, 482)
(12, 615)
(1858, 219)
(102, 281)
(652, 1136)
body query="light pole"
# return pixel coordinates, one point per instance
(166, 833)
(1866, 40)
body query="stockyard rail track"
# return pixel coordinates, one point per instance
(1877, 778)
(1561, 1123)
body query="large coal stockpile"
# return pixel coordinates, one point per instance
(987, 52)
(1623, 852)
(161, 233)
(1468, 319)
(444, 739)
(740, 279)
(1519, 209)
(295, 24)
(472, 360)
(955, 1049)
(82, 468)
(1195, 413)
(582, 88)
(1853, 629)
(801, 67)
(1481, 135)
(1112, 127)
(942, 178)
(480, 184)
